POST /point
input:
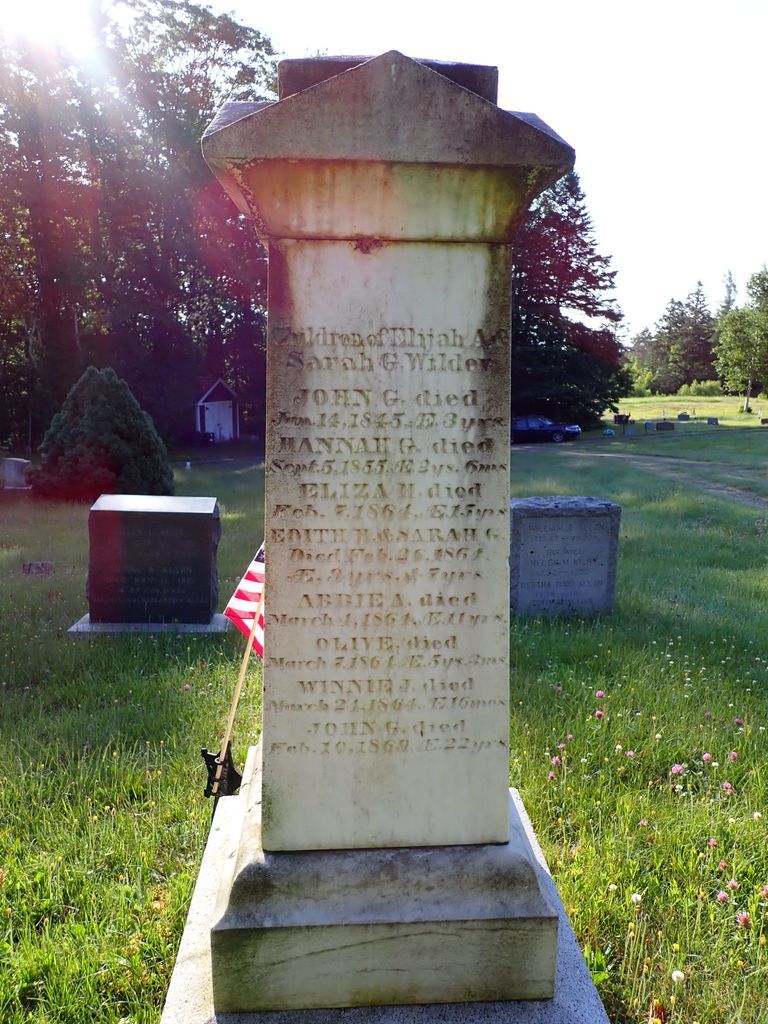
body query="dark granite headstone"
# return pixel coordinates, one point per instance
(153, 559)
(665, 425)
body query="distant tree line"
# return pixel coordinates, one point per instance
(691, 350)
(118, 248)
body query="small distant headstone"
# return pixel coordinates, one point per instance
(621, 418)
(608, 432)
(153, 559)
(665, 425)
(37, 569)
(763, 422)
(563, 553)
(649, 426)
(712, 421)
(14, 474)
(683, 416)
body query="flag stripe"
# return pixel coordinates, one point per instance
(241, 609)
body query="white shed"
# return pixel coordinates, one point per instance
(217, 413)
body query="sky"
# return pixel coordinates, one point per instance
(665, 104)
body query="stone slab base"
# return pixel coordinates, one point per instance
(306, 929)
(84, 627)
(190, 996)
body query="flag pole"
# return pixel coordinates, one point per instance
(227, 738)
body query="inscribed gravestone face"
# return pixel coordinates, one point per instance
(387, 196)
(153, 559)
(563, 553)
(387, 439)
(387, 506)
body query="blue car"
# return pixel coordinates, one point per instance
(527, 429)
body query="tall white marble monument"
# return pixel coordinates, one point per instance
(378, 861)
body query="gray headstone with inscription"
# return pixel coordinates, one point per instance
(562, 555)
(376, 841)
(153, 559)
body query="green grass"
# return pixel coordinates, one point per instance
(728, 408)
(102, 821)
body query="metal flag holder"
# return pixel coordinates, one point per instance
(223, 778)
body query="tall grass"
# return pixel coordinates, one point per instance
(102, 819)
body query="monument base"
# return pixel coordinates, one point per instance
(84, 627)
(436, 935)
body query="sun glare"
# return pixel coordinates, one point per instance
(61, 23)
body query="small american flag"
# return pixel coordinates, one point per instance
(248, 601)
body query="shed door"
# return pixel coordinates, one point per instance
(218, 420)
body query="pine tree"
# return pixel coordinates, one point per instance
(566, 359)
(681, 348)
(101, 442)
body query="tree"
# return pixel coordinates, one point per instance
(117, 248)
(742, 347)
(566, 358)
(729, 295)
(697, 337)
(681, 348)
(101, 441)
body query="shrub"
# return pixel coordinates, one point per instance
(702, 388)
(101, 441)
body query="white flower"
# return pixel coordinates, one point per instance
(677, 977)
(612, 887)
(658, 735)
(756, 816)
(636, 897)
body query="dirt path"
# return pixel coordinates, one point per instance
(670, 468)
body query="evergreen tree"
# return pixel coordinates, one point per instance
(681, 348)
(102, 442)
(566, 358)
(729, 296)
(697, 337)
